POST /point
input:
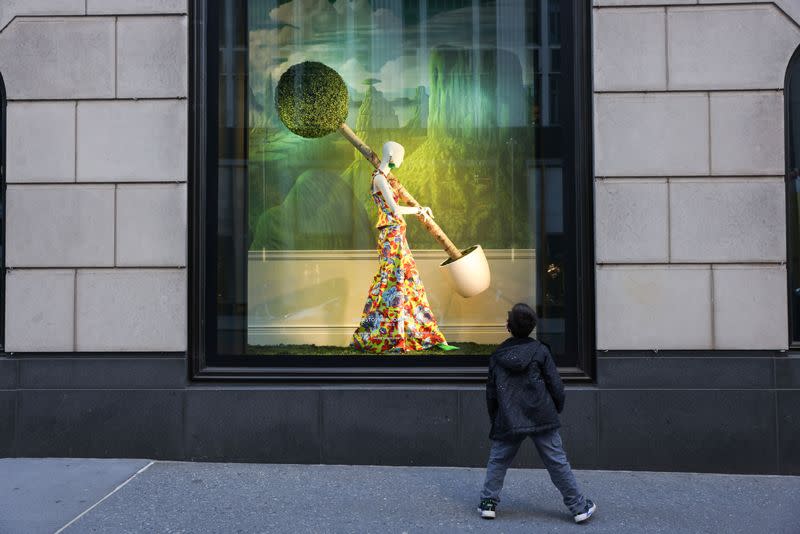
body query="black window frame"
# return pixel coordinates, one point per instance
(202, 164)
(3, 115)
(792, 229)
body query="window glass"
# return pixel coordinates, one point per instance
(471, 90)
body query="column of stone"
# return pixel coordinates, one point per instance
(690, 220)
(97, 150)
(690, 233)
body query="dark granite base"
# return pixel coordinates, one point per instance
(789, 431)
(100, 423)
(725, 431)
(730, 414)
(8, 414)
(269, 425)
(390, 426)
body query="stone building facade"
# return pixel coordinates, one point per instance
(691, 227)
(692, 364)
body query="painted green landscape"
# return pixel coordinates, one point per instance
(462, 113)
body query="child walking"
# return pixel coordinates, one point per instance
(524, 395)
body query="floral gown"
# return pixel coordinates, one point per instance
(396, 316)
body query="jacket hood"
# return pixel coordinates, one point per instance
(516, 357)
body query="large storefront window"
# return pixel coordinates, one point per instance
(297, 252)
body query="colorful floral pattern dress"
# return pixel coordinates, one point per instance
(396, 316)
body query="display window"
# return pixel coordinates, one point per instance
(378, 182)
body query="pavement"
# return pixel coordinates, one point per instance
(125, 496)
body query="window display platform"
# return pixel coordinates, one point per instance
(303, 297)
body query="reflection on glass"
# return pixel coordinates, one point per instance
(469, 88)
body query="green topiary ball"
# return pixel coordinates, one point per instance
(311, 99)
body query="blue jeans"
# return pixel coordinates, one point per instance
(551, 451)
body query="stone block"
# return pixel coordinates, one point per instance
(787, 371)
(789, 431)
(40, 310)
(274, 426)
(790, 7)
(101, 423)
(60, 226)
(747, 133)
(102, 372)
(58, 58)
(722, 431)
(8, 373)
(151, 225)
(132, 141)
(17, 8)
(41, 142)
(669, 372)
(631, 221)
(750, 310)
(8, 416)
(723, 47)
(152, 57)
(651, 134)
(131, 310)
(134, 7)
(629, 49)
(396, 426)
(719, 220)
(653, 307)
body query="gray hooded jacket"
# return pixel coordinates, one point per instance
(524, 392)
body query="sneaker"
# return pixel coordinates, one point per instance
(486, 509)
(587, 512)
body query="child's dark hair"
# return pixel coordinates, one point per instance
(521, 320)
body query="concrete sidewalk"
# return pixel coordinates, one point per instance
(121, 496)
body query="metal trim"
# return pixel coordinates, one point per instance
(3, 113)
(791, 210)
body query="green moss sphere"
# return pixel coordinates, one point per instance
(311, 99)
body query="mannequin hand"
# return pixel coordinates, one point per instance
(425, 211)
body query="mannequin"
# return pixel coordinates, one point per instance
(396, 316)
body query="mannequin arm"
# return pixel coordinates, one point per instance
(386, 190)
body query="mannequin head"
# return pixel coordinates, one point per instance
(393, 154)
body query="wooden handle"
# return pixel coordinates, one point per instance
(438, 234)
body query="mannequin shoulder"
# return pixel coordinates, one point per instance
(379, 181)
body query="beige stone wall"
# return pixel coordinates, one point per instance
(689, 158)
(688, 125)
(96, 172)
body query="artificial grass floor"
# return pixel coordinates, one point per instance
(465, 349)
